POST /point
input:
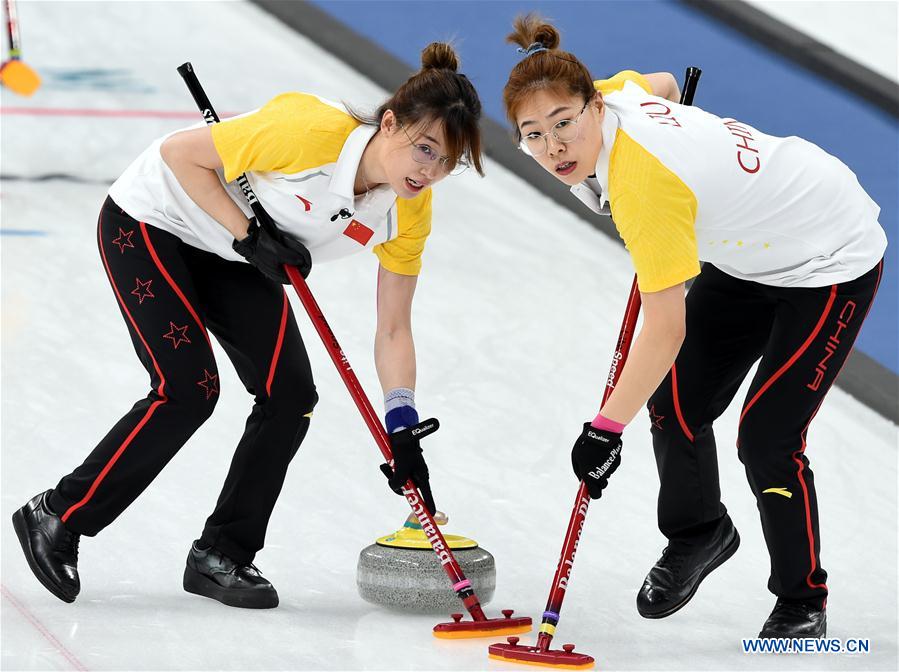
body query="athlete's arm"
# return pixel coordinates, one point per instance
(652, 354)
(394, 348)
(193, 159)
(664, 85)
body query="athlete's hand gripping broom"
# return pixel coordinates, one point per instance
(480, 625)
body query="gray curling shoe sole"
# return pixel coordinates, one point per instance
(413, 580)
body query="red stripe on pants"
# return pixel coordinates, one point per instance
(798, 461)
(808, 509)
(172, 283)
(680, 417)
(278, 344)
(796, 355)
(873, 296)
(160, 390)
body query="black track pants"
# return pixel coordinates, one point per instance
(803, 337)
(169, 294)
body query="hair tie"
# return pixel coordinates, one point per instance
(535, 48)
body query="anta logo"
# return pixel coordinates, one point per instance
(307, 204)
(830, 347)
(778, 491)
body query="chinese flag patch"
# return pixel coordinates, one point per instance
(358, 232)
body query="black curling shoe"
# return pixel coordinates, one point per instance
(673, 581)
(211, 574)
(799, 620)
(50, 549)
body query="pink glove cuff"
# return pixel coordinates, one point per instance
(602, 422)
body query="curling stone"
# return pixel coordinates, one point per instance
(401, 571)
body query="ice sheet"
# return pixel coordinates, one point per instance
(516, 315)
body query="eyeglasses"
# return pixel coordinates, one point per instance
(425, 154)
(566, 130)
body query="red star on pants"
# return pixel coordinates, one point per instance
(142, 291)
(178, 335)
(210, 383)
(123, 240)
(655, 418)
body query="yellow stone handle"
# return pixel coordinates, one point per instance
(440, 518)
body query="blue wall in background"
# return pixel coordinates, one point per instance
(740, 79)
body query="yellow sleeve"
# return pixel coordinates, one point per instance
(616, 83)
(655, 214)
(293, 132)
(403, 254)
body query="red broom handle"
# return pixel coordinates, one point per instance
(12, 30)
(582, 502)
(461, 585)
(340, 361)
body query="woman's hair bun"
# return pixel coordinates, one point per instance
(440, 56)
(530, 28)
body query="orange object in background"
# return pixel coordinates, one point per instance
(19, 77)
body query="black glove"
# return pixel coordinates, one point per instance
(268, 250)
(409, 462)
(595, 457)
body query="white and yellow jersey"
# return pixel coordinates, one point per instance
(300, 154)
(685, 186)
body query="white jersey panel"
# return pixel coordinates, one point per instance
(779, 211)
(307, 205)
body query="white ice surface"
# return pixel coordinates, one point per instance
(864, 30)
(515, 319)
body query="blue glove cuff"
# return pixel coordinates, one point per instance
(400, 417)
